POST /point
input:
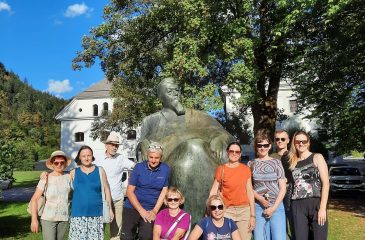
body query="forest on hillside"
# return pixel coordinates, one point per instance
(29, 131)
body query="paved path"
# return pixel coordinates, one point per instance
(20, 194)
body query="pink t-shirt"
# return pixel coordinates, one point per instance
(164, 219)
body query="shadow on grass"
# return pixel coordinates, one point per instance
(353, 202)
(16, 227)
(15, 222)
(27, 183)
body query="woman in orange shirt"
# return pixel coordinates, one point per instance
(233, 181)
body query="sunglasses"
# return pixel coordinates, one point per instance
(234, 152)
(213, 207)
(267, 145)
(155, 147)
(301, 142)
(173, 199)
(280, 139)
(59, 163)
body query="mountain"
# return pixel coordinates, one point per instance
(27, 119)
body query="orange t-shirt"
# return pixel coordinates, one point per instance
(234, 184)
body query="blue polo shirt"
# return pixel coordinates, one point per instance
(148, 183)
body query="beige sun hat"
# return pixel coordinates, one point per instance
(113, 138)
(55, 154)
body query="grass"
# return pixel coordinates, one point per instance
(345, 225)
(347, 217)
(26, 178)
(346, 214)
(14, 219)
(15, 222)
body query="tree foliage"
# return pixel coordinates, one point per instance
(7, 154)
(332, 82)
(242, 44)
(27, 121)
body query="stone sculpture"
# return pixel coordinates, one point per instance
(194, 145)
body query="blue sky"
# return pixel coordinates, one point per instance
(39, 39)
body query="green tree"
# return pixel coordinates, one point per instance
(27, 121)
(8, 152)
(202, 43)
(333, 85)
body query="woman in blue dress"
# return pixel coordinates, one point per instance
(87, 205)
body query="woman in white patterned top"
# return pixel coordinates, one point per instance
(56, 188)
(269, 189)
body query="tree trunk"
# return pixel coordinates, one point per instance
(264, 115)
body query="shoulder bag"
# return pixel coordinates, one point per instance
(173, 226)
(220, 187)
(40, 203)
(106, 213)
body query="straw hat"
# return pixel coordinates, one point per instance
(55, 154)
(112, 138)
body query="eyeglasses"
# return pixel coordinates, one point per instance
(173, 199)
(59, 163)
(151, 146)
(213, 207)
(234, 152)
(114, 145)
(280, 139)
(267, 145)
(301, 142)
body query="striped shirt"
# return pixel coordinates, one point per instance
(265, 175)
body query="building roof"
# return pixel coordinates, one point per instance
(98, 90)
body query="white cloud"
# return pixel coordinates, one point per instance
(5, 7)
(58, 87)
(77, 10)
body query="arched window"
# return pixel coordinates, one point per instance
(95, 110)
(131, 134)
(105, 107)
(79, 137)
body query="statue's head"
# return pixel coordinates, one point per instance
(168, 93)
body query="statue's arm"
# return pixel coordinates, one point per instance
(219, 143)
(141, 150)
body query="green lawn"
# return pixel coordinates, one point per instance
(14, 219)
(15, 222)
(346, 215)
(26, 178)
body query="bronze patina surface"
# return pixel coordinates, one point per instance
(194, 145)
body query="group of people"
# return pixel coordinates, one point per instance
(290, 186)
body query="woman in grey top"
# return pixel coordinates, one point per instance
(56, 188)
(269, 189)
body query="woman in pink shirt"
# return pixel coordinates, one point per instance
(172, 222)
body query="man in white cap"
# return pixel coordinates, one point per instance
(114, 164)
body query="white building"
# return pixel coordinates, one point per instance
(77, 118)
(286, 102)
(78, 115)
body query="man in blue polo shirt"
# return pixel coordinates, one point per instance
(146, 191)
